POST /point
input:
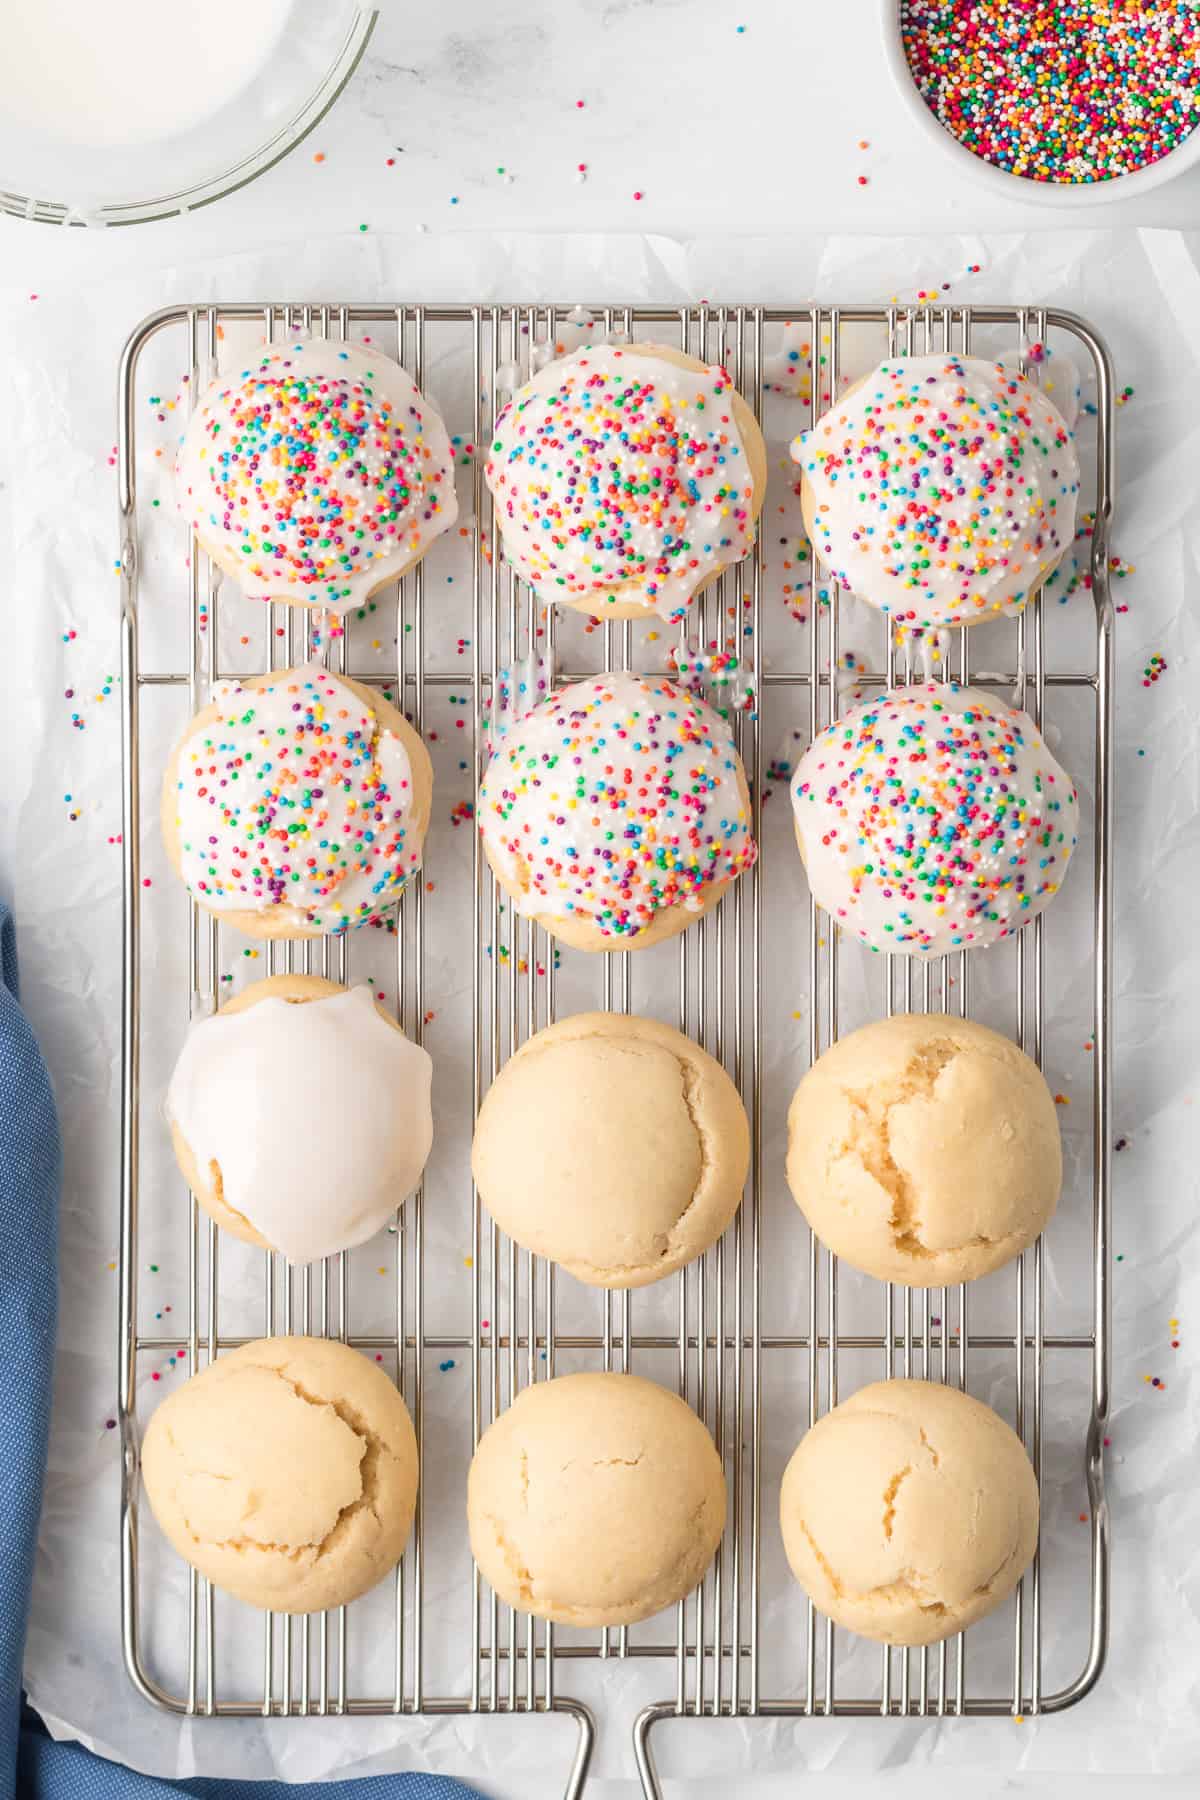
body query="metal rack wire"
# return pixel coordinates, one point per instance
(720, 1338)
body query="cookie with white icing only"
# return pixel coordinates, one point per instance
(295, 804)
(909, 1511)
(316, 474)
(932, 819)
(300, 1115)
(940, 489)
(625, 478)
(925, 1149)
(595, 1499)
(614, 1146)
(616, 812)
(286, 1472)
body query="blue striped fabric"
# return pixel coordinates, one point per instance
(32, 1766)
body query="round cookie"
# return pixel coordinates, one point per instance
(909, 1511)
(626, 478)
(925, 1149)
(285, 1472)
(616, 812)
(595, 1500)
(295, 804)
(316, 474)
(300, 1115)
(940, 489)
(614, 1146)
(933, 818)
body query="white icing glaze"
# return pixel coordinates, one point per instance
(316, 473)
(113, 74)
(612, 470)
(789, 369)
(317, 1115)
(296, 796)
(1058, 377)
(933, 818)
(943, 488)
(614, 799)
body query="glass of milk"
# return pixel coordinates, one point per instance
(140, 109)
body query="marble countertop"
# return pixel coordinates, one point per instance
(691, 116)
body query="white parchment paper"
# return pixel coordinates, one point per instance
(59, 865)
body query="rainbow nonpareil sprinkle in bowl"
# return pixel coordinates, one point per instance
(1067, 101)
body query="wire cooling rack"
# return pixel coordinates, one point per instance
(765, 1332)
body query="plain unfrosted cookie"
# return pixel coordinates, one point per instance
(300, 1115)
(925, 1149)
(296, 803)
(595, 1500)
(909, 1511)
(285, 1472)
(613, 1145)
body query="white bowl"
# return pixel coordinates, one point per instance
(1020, 187)
(51, 179)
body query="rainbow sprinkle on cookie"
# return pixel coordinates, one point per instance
(622, 477)
(933, 819)
(294, 798)
(1066, 91)
(941, 489)
(317, 474)
(614, 800)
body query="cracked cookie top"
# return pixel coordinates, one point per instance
(614, 1146)
(909, 1511)
(925, 1149)
(596, 1499)
(285, 1472)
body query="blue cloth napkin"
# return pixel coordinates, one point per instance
(32, 1765)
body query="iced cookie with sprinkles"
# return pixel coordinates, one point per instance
(295, 804)
(300, 1115)
(316, 473)
(616, 812)
(933, 819)
(625, 478)
(940, 489)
